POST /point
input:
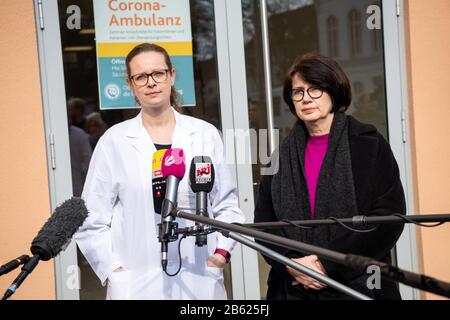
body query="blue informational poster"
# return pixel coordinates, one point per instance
(120, 25)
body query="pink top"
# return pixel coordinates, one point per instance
(316, 147)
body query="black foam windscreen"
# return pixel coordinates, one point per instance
(59, 228)
(201, 174)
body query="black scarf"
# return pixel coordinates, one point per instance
(335, 194)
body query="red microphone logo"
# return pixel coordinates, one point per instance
(203, 172)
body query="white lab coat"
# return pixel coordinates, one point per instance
(122, 227)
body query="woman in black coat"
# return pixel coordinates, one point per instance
(330, 165)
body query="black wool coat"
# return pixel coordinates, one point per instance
(378, 192)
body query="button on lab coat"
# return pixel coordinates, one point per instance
(121, 229)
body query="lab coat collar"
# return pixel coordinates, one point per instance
(183, 129)
(142, 141)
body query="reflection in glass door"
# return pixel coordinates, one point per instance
(336, 28)
(87, 122)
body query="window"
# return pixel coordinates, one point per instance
(332, 32)
(354, 22)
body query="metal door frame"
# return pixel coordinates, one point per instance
(56, 134)
(398, 124)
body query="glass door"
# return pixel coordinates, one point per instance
(88, 121)
(349, 31)
(75, 120)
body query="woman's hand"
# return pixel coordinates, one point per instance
(313, 263)
(216, 261)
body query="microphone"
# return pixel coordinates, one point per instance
(53, 237)
(13, 264)
(158, 182)
(173, 169)
(201, 178)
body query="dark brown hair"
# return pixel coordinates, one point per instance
(151, 47)
(322, 72)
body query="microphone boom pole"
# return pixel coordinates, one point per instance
(13, 264)
(295, 265)
(26, 270)
(356, 221)
(356, 262)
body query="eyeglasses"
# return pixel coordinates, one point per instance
(141, 79)
(298, 94)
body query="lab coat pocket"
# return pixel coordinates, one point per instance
(119, 284)
(216, 284)
(214, 272)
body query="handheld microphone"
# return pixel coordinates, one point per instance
(53, 237)
(158, 182)
(201, 178)
(173, 169)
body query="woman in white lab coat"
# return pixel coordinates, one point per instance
(120, 236)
